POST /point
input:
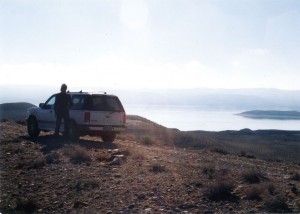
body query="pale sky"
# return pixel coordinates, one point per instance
(151, 43)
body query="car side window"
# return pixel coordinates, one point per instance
(78, 101)
(50, 103)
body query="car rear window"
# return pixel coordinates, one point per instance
(103, 103)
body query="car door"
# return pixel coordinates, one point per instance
(46, 115)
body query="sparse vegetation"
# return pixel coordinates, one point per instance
(252, 176)
(277, 204)
(208, 169)
(219, 151)
(254, 193)
(295, 176)
(31, 163)
(27, 205)
(77, 154)
(103, 157)
(220, 190)
(147, 141)
(157, 168)
(52, 158)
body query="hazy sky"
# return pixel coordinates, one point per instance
(151, 43)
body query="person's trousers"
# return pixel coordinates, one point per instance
(65, 117)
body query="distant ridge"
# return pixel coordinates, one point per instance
(14, 111)
(276, 115)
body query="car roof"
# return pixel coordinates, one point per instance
(90, 93)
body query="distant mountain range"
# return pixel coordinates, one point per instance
(215, 99)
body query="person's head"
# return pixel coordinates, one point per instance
(63, 88)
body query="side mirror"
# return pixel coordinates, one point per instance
(41, 105)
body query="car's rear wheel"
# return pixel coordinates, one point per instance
(32, 127)
(108, 137)
(73, 131)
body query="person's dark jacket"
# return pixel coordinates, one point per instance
(62, 103)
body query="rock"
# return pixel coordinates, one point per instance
(118, 160)
(148, 210)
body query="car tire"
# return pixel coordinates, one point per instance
(73, 131)
(108, 137)
(32, 127)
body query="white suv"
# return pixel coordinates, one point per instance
(91, 114)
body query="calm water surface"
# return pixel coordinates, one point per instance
(192, 118)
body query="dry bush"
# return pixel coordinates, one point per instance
(208, 169)
(85, 184)
(53, 158)
(295, 176)
(254, 193)
(31, 163)
(147, 141)
(219, 151)
(77, 154)
(252, 176)
(127, 136)
(157, 168)
(103, 157)
(277, 204)
(27, 205)
(219, 190)
(137, 155)
(271, 188)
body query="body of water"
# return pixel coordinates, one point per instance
(193, 118)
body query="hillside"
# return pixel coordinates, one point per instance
(14, 111)
(49, 175)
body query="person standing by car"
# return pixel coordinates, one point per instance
(62, 104)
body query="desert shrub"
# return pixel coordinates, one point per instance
(209, 170)
(52, 158)
(127, 136)
(32, 163)
(271, 188)
(252, 176)
(277, 204)
(137, 155)
(295, 176)
(183, 140)
(77, 154)
(254, 193)
(27, 205)
(219, 190)
(85, 184)
(103, 157)
(147, 141)
(243, 154)
(157, 168)
(219, 151)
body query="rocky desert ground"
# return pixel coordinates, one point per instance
(50, 175)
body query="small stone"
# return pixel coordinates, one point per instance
(148, 210)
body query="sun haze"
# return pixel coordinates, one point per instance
(151, 44)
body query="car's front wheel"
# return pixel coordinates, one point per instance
(32, 127)
(108, 137)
